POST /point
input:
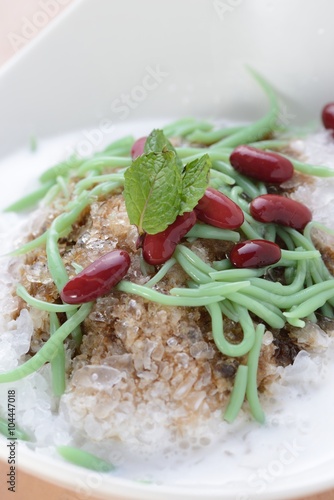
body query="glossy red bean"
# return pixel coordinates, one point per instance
(261, 165)
(138, 148)
(97, 279)
(218, 210)
(158, 248)
(255, 253)
(282, 210)
(328, 116)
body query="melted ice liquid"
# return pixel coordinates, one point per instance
(245, 456)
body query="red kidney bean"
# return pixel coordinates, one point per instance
(97, 279)
(262, 165)
(255, 253)
(158, 248)
(327, 116)
(138, 148)
(218, 210)
(282, 210)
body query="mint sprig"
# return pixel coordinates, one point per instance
(157, 188)
(152, 191)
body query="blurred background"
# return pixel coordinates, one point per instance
(22, 20)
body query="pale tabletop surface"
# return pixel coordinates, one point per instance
(20, 22)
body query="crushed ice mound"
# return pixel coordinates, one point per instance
(305, 375)
(319, 194)
(15, 341)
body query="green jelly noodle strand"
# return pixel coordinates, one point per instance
(247, 326)
(84, 459)
(249, 231)
(120, 146)
(170, 129)
(58, 271)
(312, 295)
(62, 168)
(223, 166)
(247, 185)
(250, 188)
(317, 225)
(186, 152)
(185, 130)
(298, 323)
(228, 309)
(312, 304)
(161, 273)
(55, 262)
(260, 128)
(193, 272)
(50, 195)
(30, 199)
(97, 179)
(146, 269)
(161, 298)
(253, 363)
(41, 304)
(285, 237)
(257, 227)
(63, 186)
(278, 288)
(213, 233)
(276, 144)
(238, 394)
(219, 162)
(318, 270)
(220, 179)
(193, 259)
(185, 126)
(102, 162)
(213, 136)
(300, 255)
(236, 195)
(270, 233)
(223, 289)
(314, 170)
(58, 361)
(222, 265)
(49, 349)
(31, 245)
(237, 274)
(221, 342)
(33, 143)
(299, 239)
(264, 310)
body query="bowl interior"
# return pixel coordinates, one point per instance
(100, 69)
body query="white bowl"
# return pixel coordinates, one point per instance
(109, 65)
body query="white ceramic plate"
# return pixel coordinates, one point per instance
(111, 65)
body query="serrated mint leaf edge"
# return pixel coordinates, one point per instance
(189, 199)
(162, 142)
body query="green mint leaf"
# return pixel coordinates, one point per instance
(195, 180)
(157, 142)
(152, 191)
